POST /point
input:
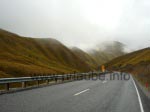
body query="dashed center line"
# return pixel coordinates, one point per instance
(81, 92)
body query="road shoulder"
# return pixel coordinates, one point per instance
(145, 96)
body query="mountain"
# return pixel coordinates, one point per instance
(140, 57)
(137, 63)
(107, 51)
(23, 56)
(89, 60)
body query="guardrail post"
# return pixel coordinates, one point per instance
(7, 86)
(67, 77)
(89, 76)
(82, 76)
(62, 78)
(77, 76)
(47, 81)
(38, 82)
(73, 77)
(92, 75)
(23, 84)
(56, 79)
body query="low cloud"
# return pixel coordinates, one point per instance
(81, 23)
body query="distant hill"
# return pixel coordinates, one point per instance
(89, 60)
(107, 51)
(137, 63)
(22, 56)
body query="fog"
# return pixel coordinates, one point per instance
(80, 23)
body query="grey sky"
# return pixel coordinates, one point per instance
(81, 23)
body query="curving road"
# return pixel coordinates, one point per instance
(78, 96)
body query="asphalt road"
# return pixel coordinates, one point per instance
(78, 96)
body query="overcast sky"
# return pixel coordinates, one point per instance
(81, 23)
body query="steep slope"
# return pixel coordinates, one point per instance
(85, 57)
(107, 51)
(22, 56)
(137, 63)
(134, 58)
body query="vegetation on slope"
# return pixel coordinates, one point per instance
(85, 57)
(137, 63)
(107, 51)
(22, 56)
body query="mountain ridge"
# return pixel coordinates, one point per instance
(24, 56)
(136, 63)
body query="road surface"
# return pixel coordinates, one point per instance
(78, 96)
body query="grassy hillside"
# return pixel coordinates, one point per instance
(107, 51)
(86, 57)
(137, 63)
(22, 56)
(131, 59)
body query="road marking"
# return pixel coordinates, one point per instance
(104, 81)
(139, 98)
(81, 92)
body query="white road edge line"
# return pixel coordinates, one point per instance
(104, 81)
(139, 98)
(81, 92)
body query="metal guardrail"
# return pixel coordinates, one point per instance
(23, 80)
